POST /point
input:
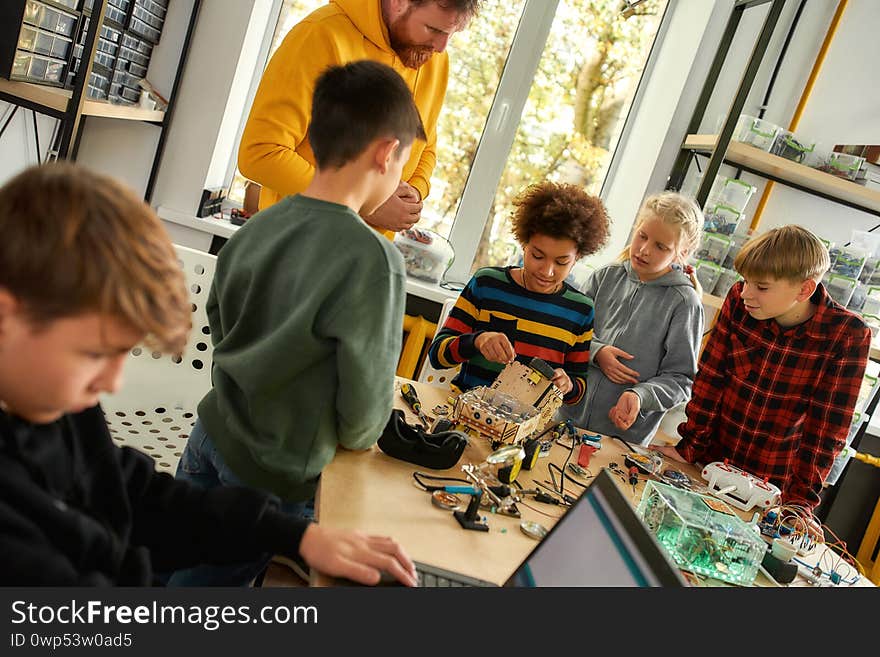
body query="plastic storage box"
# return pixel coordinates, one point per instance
(721, 219)
(840, 288)
(791, 148)
(700, 538)
(872, 301)
(427, 255)
(858, 298)
(714, 248)
(756, 132)
(849, 262)
(708, 274)
(731, 193)
(841, 165)
(725, 281)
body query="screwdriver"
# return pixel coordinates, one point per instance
(410, 397)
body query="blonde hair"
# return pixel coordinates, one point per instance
(681, 212)
(75, 241)
(789, 253)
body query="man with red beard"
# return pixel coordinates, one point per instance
(408, 35)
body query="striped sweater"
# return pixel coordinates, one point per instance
(554, 327)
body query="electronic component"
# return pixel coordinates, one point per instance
(533, 529)
(700, 538)
(739, 488)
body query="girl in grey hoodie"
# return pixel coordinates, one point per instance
(648, 324)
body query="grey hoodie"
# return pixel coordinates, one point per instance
(660, 323)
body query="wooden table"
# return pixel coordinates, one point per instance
(372, 492)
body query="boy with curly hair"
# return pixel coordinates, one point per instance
(519, 313)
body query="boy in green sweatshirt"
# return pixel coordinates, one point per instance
(306, 310)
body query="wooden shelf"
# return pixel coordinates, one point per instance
(57, 99)
(52, 97)
(125, 112)
(791, 173)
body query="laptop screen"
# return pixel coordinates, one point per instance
(600, 541)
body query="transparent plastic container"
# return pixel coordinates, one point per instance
(427, 255)
(707, 273)
(850, 261)
(841, 165)
(714, 248)
(871, 306)
(27, 38)
(791, 148)
(721, 219)
(737, 242)
(726, 280)
(840, 288)
(858, 298)
(700, 538)
(756, 132)
(731, 192)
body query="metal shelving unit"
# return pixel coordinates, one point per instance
(71, 107)
(720, 150)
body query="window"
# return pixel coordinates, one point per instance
(538, 89)
(579, 99)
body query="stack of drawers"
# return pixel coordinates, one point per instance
(130, 30)
(43, 40)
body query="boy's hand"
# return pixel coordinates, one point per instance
(351, 554)
(561, 381)
(495, 347)
(608, 360)
(401, 211)
(626, 410)
(668, 451)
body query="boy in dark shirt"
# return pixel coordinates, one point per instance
(86, 273)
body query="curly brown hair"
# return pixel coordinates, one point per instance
(561, 211)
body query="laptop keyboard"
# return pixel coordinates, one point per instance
(433, 577)
(433, 581)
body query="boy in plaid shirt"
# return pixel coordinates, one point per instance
(779, 377)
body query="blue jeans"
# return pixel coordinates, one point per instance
(201, 464)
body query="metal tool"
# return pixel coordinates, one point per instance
(408, 392)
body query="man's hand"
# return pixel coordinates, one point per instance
(401, 211)
(351, 554)
(608, 360)
(495, 347)
(669, 452)
(561, 381)
(626, 410)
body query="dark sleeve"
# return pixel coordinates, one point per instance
(184, 525)
(28, 558)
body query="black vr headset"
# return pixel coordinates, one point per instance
(437, 451)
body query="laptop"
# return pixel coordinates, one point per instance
(600, 541)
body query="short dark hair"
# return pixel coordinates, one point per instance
(561, 211)
(468, 8)
(76, 241)
(355, 104)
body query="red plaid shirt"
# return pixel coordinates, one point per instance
(777, 401)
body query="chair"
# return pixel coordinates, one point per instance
(419, 333)
(155, 409)
(428, 374)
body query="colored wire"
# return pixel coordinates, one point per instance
(418, 475)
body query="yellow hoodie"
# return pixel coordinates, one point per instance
(275, 151)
